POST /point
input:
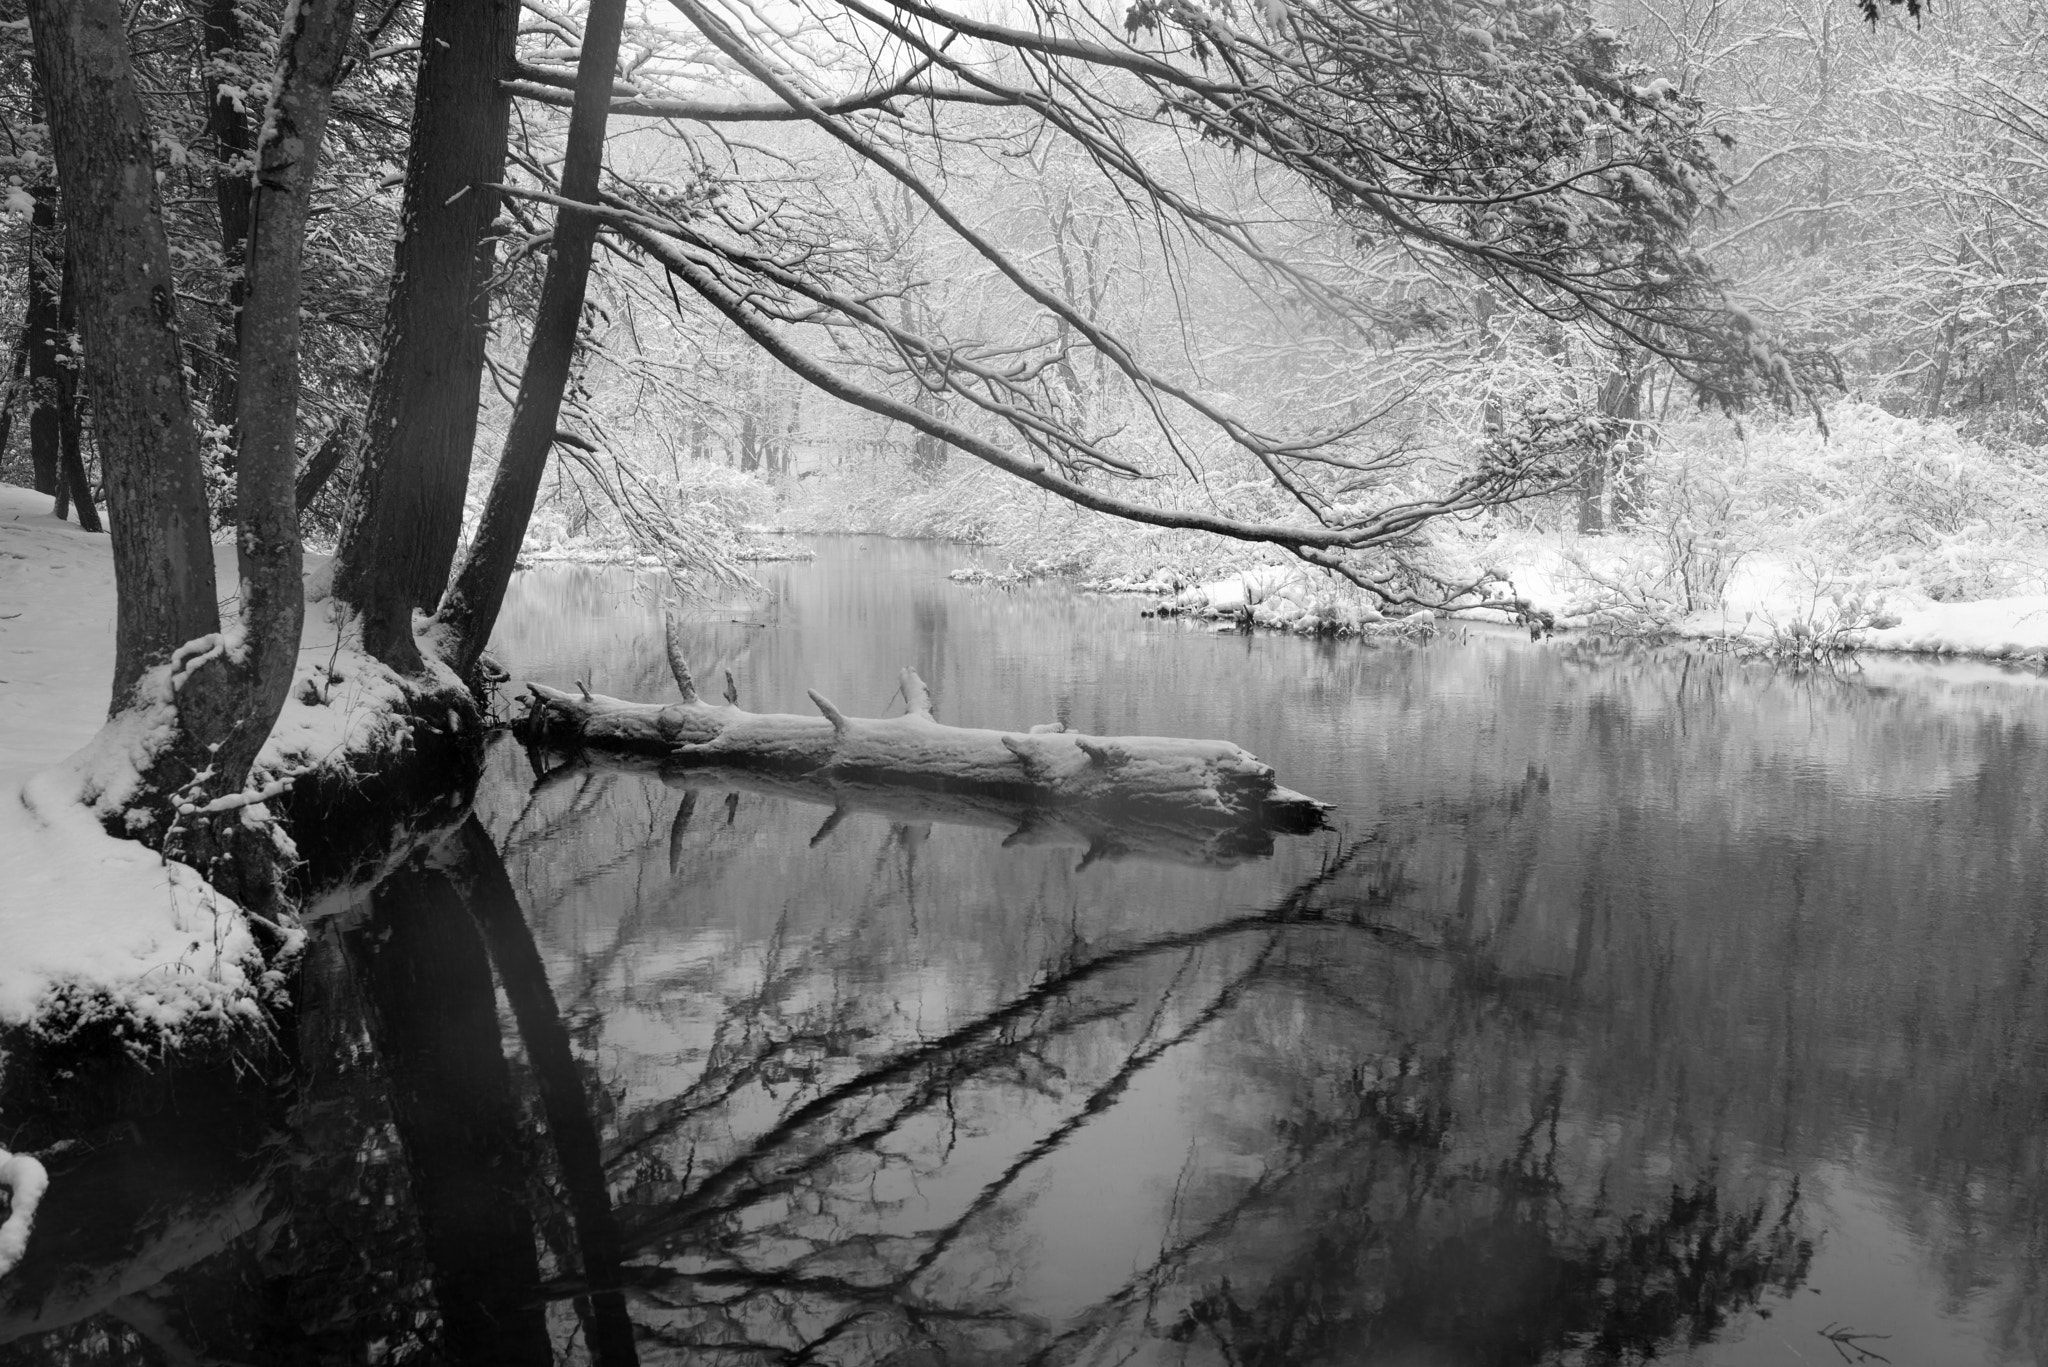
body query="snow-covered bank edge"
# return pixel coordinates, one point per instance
(1770, 612)
(107, 947)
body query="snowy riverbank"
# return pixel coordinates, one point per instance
(1769, 604)
(105, 932)
(107, 924)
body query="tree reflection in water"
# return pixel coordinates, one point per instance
(826, 1188)
(1368, 1234)
(418, 1197)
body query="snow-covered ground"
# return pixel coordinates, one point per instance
(77, 907)
(79, 910)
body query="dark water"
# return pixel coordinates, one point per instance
(1637, 1006)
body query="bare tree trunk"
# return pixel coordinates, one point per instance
(45, 339)
(1606, 483)
(267, 549)
(1492, 348)
(16, 369)
(73, 488)
(232, 188)
(406, 512)
(106, 168)
(471, 608)
(327, 459)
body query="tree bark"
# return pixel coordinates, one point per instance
(267, 548)
(327, 458)
(45, 340)
(1605, 480)
(106, 171)
(406, 512)
(73, 488)
(226, 698)
(232, 188)
(16, 369)
(470, 610)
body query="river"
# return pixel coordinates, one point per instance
(1636, 1003)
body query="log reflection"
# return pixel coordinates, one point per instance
(1099, 832)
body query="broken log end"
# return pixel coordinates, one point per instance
(1293, 813)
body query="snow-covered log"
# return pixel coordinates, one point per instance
(1200, 781)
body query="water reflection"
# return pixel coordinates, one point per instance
(1640, 1006)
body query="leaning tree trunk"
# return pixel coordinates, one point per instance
(471, 608)
(327, 458)
(405, 517)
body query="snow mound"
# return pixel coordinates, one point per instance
(105, 927)
(1247, 589)
(1997, 628)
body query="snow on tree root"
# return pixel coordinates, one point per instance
(1208, 782)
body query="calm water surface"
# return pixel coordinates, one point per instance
(1636, 1006)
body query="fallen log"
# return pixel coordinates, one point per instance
(1191, 781)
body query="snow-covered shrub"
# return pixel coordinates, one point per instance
(1904, 501)
(1824, 529)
